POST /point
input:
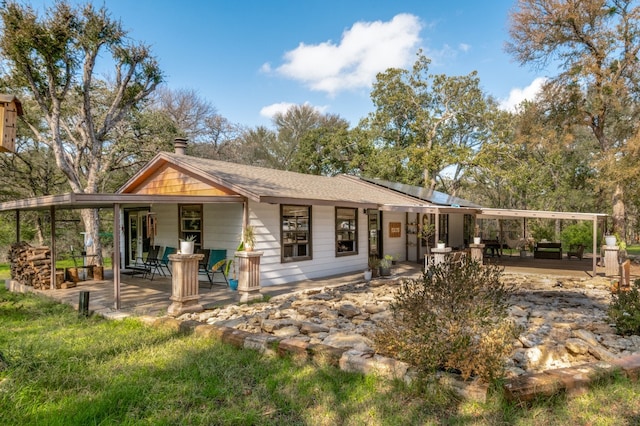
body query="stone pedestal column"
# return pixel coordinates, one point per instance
(476, 252)
(440, 255)
(248, 275)
(184, 284)
(611, 265)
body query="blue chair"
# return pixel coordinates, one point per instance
(217, 263)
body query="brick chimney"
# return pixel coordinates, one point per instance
(180, 146)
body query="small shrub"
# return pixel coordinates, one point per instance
(454, 318)
(624, 310)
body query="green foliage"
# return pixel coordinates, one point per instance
(579, 233)
(425, 123)
(454, 317)
(542, 230)
(624, 310)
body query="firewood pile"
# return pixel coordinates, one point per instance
(31, 265)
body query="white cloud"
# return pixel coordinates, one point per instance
(464, 47)
(517, 95)
(265, 68)
(270, 110)
(365, 49)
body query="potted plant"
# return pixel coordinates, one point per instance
(187, 244)
(248, 238)
(373, 265)
(233, 282)
(610, 240)
(368, 274)
(385, 265)
(440, 244)
(477, 239)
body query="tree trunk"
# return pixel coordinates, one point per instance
(91, 221)
(39, 233)
(618, 213)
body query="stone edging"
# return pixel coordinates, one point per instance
(572, 380)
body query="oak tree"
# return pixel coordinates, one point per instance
(594, 44)
(55, 59)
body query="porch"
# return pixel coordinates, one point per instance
(140, 296)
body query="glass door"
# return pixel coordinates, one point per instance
(374, 233)
(137, 239)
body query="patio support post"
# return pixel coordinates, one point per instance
(249, 275)
(115, 261)
(17, 226)
(245, 216)
(611, 264)
(52, 285)
(595, 245)
(476, 252)
(184, 284)
(440, 255)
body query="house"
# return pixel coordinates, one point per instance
(306, 226)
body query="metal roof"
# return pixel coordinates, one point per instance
(425, 194)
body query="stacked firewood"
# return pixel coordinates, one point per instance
(31, 265)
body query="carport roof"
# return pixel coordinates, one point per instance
(82, 200)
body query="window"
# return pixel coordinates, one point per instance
(346, 231)
(296, 232)
(191, 223)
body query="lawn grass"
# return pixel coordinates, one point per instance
(68, 370)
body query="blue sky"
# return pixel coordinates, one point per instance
(252, 58)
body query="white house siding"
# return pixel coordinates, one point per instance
(167, 225)
(395, 247)
(266, 221)
(222, 225)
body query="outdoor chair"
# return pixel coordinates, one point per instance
(203, 264)
(164, 261)
(153, 261)
(217, 263)
(576, 251)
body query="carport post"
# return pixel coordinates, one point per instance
(115, 262)
(17, 226)
(53, 248)
(595, 244)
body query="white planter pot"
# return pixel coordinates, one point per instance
(367, 275)
(477, 240)
(440, 245)
(610, 240)
(186, 247)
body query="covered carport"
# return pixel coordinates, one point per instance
(116, 202)
(595, 218)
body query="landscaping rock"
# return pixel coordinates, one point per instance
(563, 320)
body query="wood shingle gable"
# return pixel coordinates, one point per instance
(166, 178)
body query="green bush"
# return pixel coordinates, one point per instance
(579, 233)
(542, 230)
(624, 310)
(453, 318)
